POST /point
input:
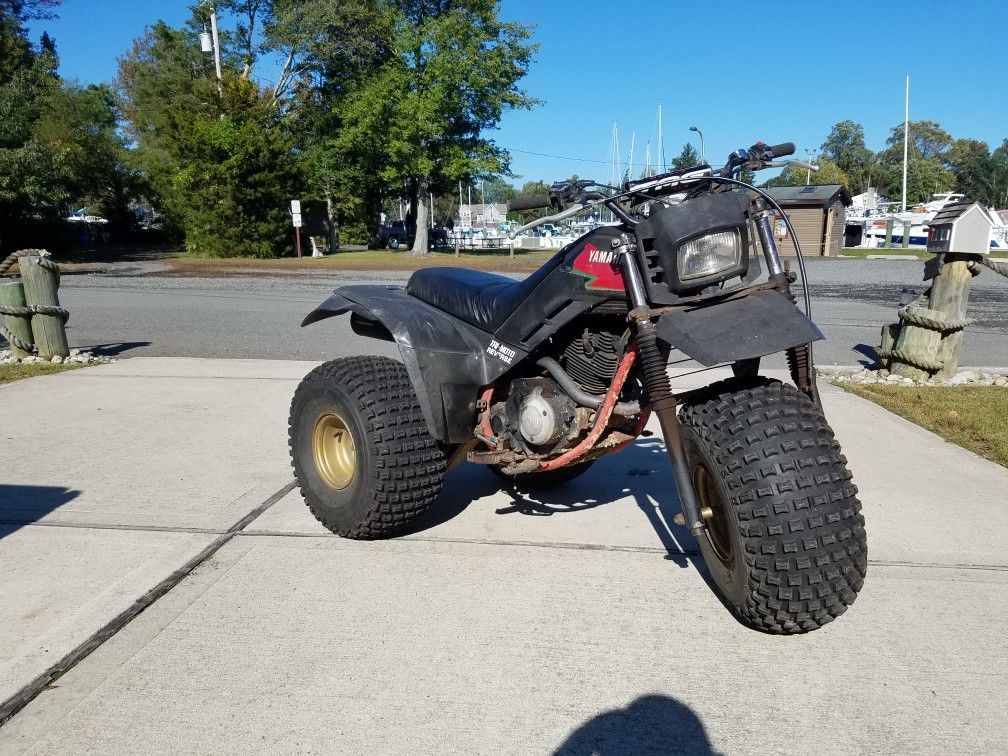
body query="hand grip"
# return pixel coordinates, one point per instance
(780, 150)
(535, 202)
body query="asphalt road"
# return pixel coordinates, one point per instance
(136, 312)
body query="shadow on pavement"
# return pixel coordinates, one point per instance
(871, 361)
(23, 505)
(652, 724)
(641, 471)
(117, 348)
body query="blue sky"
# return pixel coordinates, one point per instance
(777, 71)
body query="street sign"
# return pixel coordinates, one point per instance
(296, 217)
(295, 207)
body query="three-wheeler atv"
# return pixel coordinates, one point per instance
(539, 378)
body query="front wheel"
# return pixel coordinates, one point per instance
(365, 461)
(784, 539)
(393, 242)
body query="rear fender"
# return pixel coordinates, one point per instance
(763, 323)
(447, 359)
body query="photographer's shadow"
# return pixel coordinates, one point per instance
(653, 724)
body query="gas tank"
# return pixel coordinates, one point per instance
(592, 259)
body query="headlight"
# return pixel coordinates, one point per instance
(708, 255)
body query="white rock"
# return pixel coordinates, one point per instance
(57, 359)
(74, 352)
(1002, 381)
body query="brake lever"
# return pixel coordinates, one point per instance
(562, 215)
(786, 163)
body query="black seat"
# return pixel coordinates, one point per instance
(484, 300)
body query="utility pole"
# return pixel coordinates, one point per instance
(211, 43)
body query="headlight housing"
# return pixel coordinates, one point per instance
(686, 248)
(709, 255)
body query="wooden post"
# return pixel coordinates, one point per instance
(40, 284)
(888, 232)
(906, 234)
(12, 295)
(921, 343)
(890, 334)
(950, 296)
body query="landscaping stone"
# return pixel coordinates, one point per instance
(865, 376)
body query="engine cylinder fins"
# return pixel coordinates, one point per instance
(591, 359)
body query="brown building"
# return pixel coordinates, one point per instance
(817, 214)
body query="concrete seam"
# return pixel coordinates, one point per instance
(604, 547)
(23, 697)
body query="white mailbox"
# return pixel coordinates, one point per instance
(962, 228)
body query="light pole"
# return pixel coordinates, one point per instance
(703, 152)
(808, 171)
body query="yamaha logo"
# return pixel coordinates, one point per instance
(600, 256)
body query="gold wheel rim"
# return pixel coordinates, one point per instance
(334, 451)
(712, 511)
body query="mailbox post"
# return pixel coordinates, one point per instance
(927, 341)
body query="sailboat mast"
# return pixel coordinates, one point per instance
(661, 147)
(629, 167)
(906, 139)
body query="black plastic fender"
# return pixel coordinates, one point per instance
(447, 359)
(739, 329)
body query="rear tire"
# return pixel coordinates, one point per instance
(544, 480)
(393, 242)
(365, 461)
(784, 537)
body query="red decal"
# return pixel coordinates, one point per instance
(600, 267)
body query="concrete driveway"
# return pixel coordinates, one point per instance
(182, 598)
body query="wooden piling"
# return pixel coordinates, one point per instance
(12, 294)
(40, 285)
(950, 296)
(920, 343)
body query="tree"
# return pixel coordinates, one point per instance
(331, 51)
(454, 69)
(927, 140)
(59, 147)
(216, 156)
(687, 157)
(845, 147)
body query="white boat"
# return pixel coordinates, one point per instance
(873, 220)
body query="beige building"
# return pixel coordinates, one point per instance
(817, 215)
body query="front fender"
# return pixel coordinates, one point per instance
(762, 323)
(447, 359)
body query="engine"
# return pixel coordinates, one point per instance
(591, 359)
(538, 416)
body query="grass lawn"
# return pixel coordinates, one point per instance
(498, 260)
(974, 417)
(9, 372)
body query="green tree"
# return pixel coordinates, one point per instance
(687, 157)
(845, 147)
(454, 69)
(927, 140)
(331, 52)
(216, 156)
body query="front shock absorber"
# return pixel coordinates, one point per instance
(656, 383)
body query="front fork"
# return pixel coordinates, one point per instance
(799, 358)
(656, 382)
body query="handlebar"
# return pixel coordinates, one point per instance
(780, 150)
(535, 202)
